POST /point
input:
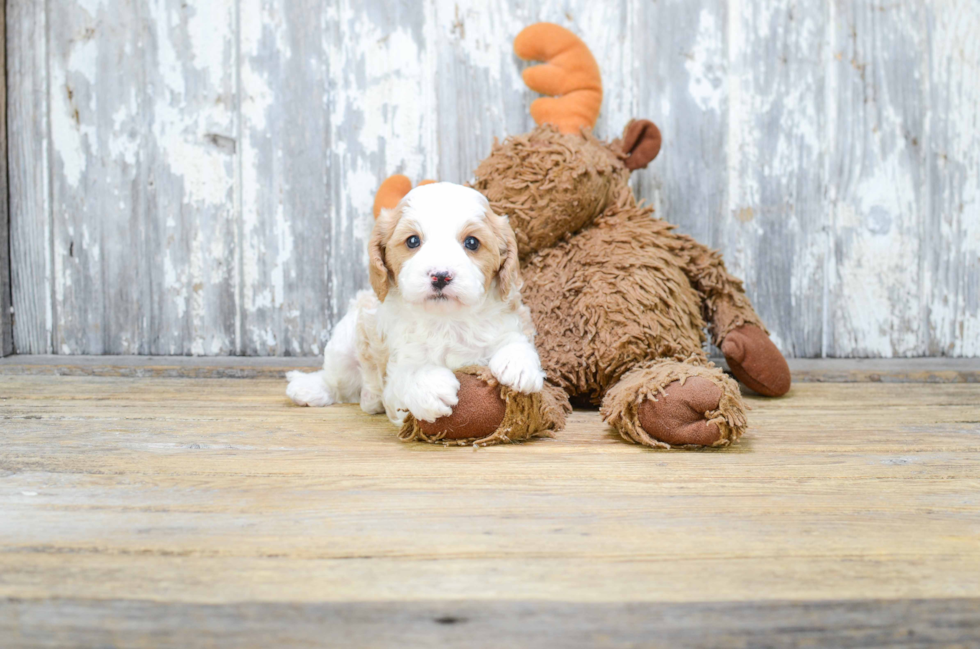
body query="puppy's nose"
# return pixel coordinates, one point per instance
(440, 280)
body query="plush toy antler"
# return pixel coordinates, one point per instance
(392, 190)
(570, 75)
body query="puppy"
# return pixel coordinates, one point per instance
(446, 283)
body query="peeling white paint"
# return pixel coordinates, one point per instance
(162, 20)
(705, 64)
(91, 6)
(208, 52)
(124, 142)
(72, 136)
(284, 255)
(66, 137)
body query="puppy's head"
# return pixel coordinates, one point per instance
(443, 248)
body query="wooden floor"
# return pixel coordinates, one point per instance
(198, 512)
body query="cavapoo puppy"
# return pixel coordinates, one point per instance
(446, 283)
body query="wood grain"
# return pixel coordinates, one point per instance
(6, 325)
(193, 177)
(129, 502)
(879, 189)
(951, 231)
(28, 174)
(774, 231)
(804, 370)
(857, 624)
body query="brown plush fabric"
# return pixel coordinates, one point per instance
(621, 292)
(641, 143)
(549, 184)
(478, 413)
(608, 298)
(525, 416)
(755, 361)
(678, 416)
(667, 403)
(611, 288)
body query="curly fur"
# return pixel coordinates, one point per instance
(648, 381)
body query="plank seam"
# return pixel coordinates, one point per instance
(6, 270)
(917, 370)
(238, 200)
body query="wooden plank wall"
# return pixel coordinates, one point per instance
(6, 326)
(195, 176)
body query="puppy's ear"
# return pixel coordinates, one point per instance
(384, 226)
(509, 273)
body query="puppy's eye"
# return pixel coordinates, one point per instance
(471, 243)
(413, 241)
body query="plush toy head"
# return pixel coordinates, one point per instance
(558, 178)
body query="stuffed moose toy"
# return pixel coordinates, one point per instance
(620, 301)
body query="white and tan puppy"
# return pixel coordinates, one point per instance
(446, 283)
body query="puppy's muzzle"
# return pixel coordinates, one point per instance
(440, 280)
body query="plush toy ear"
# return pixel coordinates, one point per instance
(641, 143)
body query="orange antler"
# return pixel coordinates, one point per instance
(570, 74)
(392, 190)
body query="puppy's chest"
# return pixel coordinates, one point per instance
(453, 345)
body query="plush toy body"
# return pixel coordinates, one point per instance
(620, 300)
(620, 305)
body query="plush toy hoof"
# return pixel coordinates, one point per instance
(489, 413)
(756, 362)
(478, 413)
(678, 418)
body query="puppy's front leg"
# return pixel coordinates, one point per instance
(426, 391)
(516, 365)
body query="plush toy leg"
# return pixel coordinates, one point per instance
(666, 403)
(735, 326)
(490, 413)
(756, 362)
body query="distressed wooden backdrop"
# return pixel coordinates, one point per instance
(196, 176)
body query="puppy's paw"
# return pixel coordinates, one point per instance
(432, 395)
(518, 367)
(308, 389)
(371, 402)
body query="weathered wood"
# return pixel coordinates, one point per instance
(805, 370)
(6, 325)
(140, 105)
(130, 499)
(283, 156)
(773, 230)
(27, 157)
(476, 624)
(877, 184)
(225, 367)
(679, 72)
(889, 370)
(950, 233)
(192, 177)
(325, 117)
